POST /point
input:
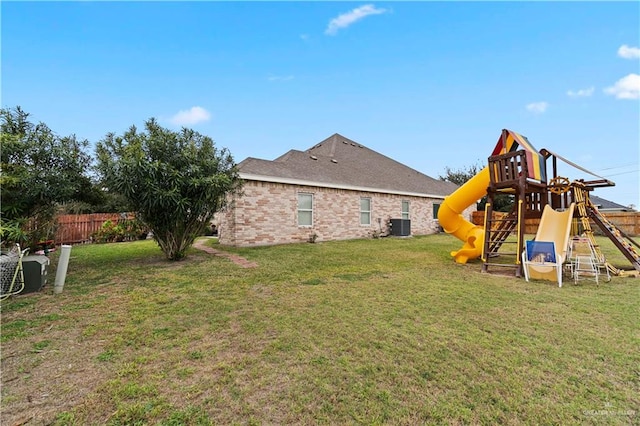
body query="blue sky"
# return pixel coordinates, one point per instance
(429, 84)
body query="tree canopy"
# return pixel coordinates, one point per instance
(461, 176)
(174, 181)
(38, 170)
(502, 202)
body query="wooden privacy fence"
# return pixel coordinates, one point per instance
(78, 228)
(627, 222)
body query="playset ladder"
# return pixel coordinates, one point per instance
(618, 237)
(510, 174)
(588, 211)
(497, 230)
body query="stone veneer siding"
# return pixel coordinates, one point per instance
(266, 214)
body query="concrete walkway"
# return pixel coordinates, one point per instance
(238, 260)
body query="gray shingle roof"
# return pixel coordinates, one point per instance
(338, 161)
(603, 204)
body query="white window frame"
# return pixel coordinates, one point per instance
(367, 212)
(436, 208)
(405, 213)
(304, 225)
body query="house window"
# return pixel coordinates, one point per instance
(436, 207)
(365, 211)
(405, 210)
(305, 209)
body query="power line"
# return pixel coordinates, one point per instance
(619, 167)
(623, 173)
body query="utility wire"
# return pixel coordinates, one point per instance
(618, 167)
(624, 173)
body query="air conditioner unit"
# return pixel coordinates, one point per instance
(400, 227)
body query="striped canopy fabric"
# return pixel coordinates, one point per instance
(510, 141)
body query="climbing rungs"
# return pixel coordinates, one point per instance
(503, 265)
(498, 233)
(502, 253)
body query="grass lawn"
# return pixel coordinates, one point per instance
(386, 331)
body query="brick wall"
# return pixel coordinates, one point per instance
(266, 214)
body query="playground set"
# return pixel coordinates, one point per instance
(564, 240)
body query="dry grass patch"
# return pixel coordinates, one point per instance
(369, 331)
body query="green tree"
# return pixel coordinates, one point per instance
(502, 202)
(174, 181)
(461, 176)
(38, 169)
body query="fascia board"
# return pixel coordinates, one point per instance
(289, 181)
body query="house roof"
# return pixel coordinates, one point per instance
(339, 162)
(603, 204)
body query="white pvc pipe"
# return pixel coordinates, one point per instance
(61, 272)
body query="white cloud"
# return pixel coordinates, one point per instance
(626, 88)
(191, 116)
(346, 19)
(280, 77)
(628, 52)
(537, 107)
(581, 93)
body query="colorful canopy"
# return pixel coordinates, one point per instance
(510, 141)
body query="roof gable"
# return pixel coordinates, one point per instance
(339, 161)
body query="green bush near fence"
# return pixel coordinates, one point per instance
(123, 230)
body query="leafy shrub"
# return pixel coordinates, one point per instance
(122, 230)
(11, 232)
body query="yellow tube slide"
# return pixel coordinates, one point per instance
(452, 221)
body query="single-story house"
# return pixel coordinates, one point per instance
(336, 190)
(604, 205)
